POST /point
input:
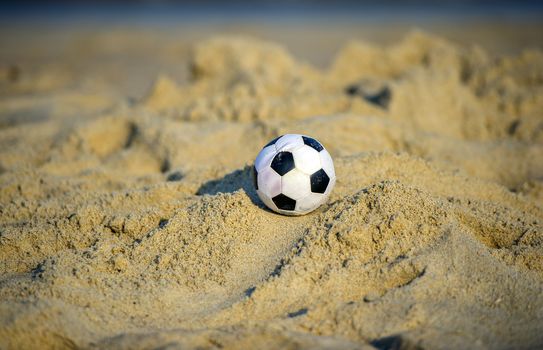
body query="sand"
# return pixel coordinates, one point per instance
(131, 222)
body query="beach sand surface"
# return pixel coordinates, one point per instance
(128, 218)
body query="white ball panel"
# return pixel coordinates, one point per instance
(331, 185)
(307, 159)
(289, 142)
(327, 163)
(265, 157)
(266, 200)
(295, 184)
(290, 213)
(310, 202)
(269, 182)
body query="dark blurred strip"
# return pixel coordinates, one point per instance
(170, 10)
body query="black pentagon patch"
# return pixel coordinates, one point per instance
(319, 181)
(255, 178)
(272, 142)
(282, 163)
(283, 202)
(313, 143)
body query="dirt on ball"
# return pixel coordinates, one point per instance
(133, 223)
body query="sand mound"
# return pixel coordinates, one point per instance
(134, 224)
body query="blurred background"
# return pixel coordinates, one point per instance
(126, 44)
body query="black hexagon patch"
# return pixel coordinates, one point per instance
(283, 202)
(272, 142)
(312, 143)
(319, 181)
(282, 163)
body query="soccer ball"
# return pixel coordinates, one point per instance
(294, 174)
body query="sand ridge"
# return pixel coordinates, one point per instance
(134, 224)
